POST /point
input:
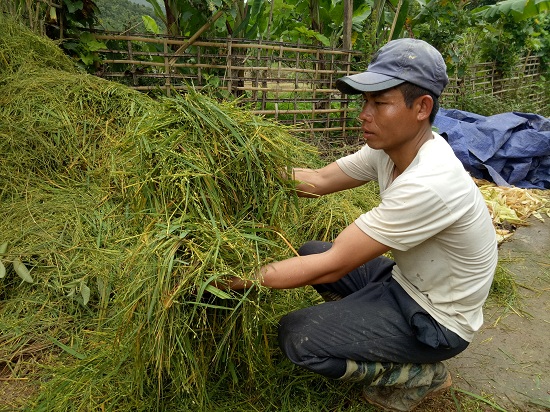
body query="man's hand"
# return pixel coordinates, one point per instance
(235, 283)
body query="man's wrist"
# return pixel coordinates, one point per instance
(288, 174)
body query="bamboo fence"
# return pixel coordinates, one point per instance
(484, 79)
(293, 84)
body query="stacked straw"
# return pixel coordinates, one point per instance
(118, 210)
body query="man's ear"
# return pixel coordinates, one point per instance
(424, 106)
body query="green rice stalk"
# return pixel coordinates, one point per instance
(124, 209)
(19, 47)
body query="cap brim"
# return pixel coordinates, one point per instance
(366, 82)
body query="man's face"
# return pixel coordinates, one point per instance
(387, 123)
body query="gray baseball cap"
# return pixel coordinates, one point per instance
(399, 61)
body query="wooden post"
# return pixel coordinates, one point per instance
(167, 70)
(348, 24)
(132, 66)
(229, 72)
(295, 93)
(279, 67)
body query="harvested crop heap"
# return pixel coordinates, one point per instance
(117, 211)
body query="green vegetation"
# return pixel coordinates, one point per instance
(123, 209)
(124, 15)
(466, 32)
(504, 288)
(517, 100)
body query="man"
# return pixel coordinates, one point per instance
(390, 323)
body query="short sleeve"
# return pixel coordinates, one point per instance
(408, 215)
(361, 165)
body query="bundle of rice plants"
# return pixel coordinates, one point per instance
(123, 209)
(61, 125)
(19, 47)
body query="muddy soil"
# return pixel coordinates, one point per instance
(509, 359)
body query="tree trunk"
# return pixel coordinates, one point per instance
(347, 30)
(316, 24)
(172, 25)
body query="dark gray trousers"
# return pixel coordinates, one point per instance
(375, 321)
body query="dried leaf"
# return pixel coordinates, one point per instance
(22, 271)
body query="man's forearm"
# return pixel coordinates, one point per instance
(325, 267)
(319, 182)
(290, 273)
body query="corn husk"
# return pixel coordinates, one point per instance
(513, 206)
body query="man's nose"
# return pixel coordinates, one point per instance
(366, 114)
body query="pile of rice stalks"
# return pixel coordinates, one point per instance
(118, 211)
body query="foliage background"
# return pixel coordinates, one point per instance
(122, 15)
(54, 210)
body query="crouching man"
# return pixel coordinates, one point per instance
(390, 323)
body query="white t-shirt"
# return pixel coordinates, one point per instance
(437, 224)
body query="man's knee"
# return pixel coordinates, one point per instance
(300, 341)
(291, 341)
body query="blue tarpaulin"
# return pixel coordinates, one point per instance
(509, 149)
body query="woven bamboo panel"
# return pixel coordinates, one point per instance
(291, 83)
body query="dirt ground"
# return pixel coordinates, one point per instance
(509, 359)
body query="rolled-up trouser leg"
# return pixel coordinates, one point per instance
(366, 372)
(392, 374)
(404, 387)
